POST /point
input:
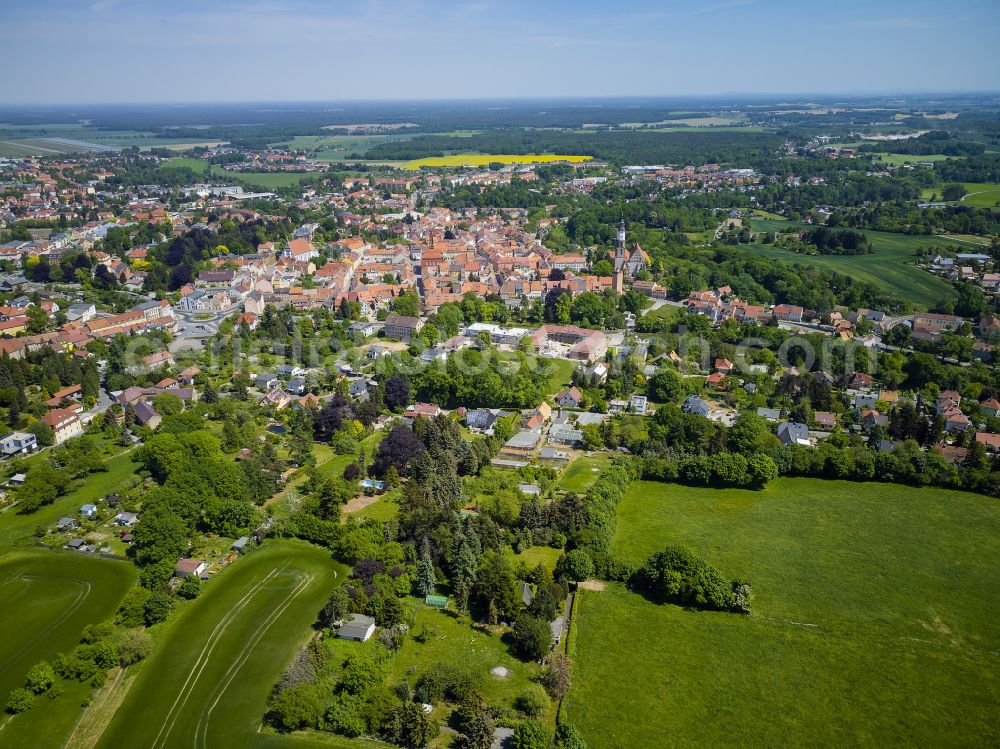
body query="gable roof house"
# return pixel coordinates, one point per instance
(64, 423)
(358, 628)
(695, 405)
(186, 567)
(793, 433)
(571, 398)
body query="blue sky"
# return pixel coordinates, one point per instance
(249, 50)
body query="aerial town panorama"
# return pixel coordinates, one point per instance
(507, 410)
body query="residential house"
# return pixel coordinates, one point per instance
(88, 510)
(358, 628)
(693, 404)
(990, 407)
(788, 312)
(64, 423)
(990, 441)
(265, 381)
(146, 415)
(793, 433)
(571, 398)
(18, 443)
(187, 567)
(481, 420)
(824, 419)
(126, 519)
(401, 327)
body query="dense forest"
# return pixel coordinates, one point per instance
(618, 147)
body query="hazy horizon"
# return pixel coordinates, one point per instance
(291, 51)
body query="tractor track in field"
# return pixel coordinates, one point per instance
(203, 657)
(201, 730)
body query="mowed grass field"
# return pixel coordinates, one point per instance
(898, 159)
(207, 684)
(483, 159)
(982, 194)
(891, 266)
(875, 622)
(47, 599)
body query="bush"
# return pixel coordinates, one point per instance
(556, 676)
(532, 703)
(296, 708)
(445, 681)
(530, 735)
(678, 576)
(157, 608)
(131, 612)
(568, 737)
(19, 700)
(40, 677)
(189, 588)
(133, 645)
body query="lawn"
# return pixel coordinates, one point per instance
(451, 640)
(875, 622)
(583, 472)
(17, 530)
(560, 373)
(475, 159)
(890, 267)
(196, 165)
(48, 598)
(537, 555)
(208, 681)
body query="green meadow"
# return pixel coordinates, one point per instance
(890, 267)
(982, 194)
(874, 623)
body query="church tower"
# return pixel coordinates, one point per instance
(620, 247)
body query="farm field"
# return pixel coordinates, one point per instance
(889, 267)
(48, 598)
(338, 147)
(898, 159)
(866, 594)
(475, 159)
(32, 137)
(240, 633)
(713, 128)
(982, 194)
